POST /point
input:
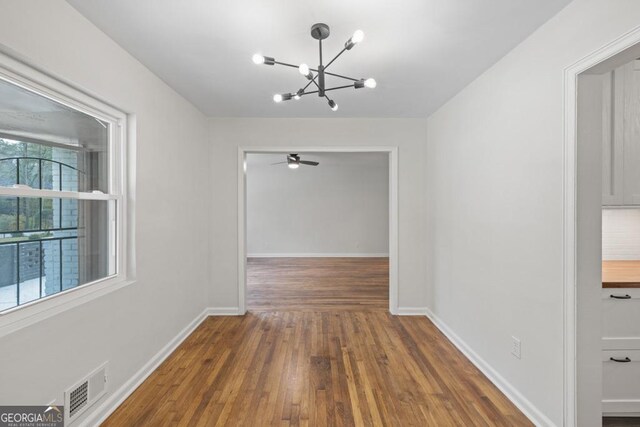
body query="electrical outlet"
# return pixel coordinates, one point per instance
(515, 347)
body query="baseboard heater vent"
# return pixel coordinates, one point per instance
(85, 393)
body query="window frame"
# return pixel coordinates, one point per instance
(119, 147)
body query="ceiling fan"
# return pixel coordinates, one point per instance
(293, 161)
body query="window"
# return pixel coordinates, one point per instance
(61, 194)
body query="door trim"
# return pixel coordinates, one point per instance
(393, 211)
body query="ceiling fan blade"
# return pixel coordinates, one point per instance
(278, 163)
(310, 163)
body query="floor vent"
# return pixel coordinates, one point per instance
(85, 393)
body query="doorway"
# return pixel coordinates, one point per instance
(602, 345)
(314, 252)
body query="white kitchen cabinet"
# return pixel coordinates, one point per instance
(621, 351)
(621, 136)
(620, 382)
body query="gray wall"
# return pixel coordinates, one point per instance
(338, 208)
(495, 186)
(129, 326)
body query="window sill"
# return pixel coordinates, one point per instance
(39, 310)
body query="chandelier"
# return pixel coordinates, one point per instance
(317, 76)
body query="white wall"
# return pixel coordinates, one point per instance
(129, 326)
(620, 234)
(338, 208)
(495, 186)
(227, 135)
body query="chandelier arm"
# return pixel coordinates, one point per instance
(285, 64)
(313, 80)
(342, 77)
(309, 93)
(338, 87)
(334, 58)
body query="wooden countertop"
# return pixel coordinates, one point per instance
(621, 274)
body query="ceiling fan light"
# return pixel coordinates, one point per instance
(293, 165)
(370, 83)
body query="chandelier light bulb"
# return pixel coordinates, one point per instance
(333, 105)
(296, 96)
(357, 37)
(370, 83)
(277, 98)
(257, 59)
(304, 69)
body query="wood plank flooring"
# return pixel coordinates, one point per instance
(330, 366)
(318, 284)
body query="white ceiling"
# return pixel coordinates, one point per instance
(421, 52)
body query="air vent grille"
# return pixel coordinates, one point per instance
(86, 392)
(78, 398)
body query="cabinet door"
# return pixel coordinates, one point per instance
(612, 140)
(620, 382)
(631, 133)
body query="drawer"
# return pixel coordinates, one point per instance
(621, 319)
(621, 382)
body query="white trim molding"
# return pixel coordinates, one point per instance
(413, 311)
(115, 399)
(393, 210)
(527, 408)
(320, 255)
(571, 73)
(223, 311)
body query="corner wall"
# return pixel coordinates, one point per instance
(129, 326)
(495, 203)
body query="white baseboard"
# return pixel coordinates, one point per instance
(116, 398)
(527, 408)
(319, 255)
(412, 311)
(223, 311)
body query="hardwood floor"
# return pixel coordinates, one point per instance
(330, 366)
(317, 284)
